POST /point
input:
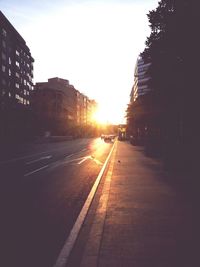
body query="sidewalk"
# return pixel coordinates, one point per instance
(138, 218)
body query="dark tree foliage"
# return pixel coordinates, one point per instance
(173, 47)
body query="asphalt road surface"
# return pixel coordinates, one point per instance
(42, 190)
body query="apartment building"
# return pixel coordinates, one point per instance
(16, 68)
(141, 79)
(91, 110)
(54, 103)
(58, 103)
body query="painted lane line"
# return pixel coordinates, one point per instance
(69, 244)
(60, 163)
(36, 160)
(99, 218)
(29, 173)
(30, 156)
(98, 162)
(71, 160)
(69, 156)
(84, 159)
(37, 154)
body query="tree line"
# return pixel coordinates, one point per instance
(168, 115)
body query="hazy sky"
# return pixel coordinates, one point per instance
(94, 44)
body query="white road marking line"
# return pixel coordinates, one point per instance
(25, 157)
(98, 162)
(69, 244)
(42, 158)
(98, 223)
(84, 159)
(69, 156)
(29, 173)
(30, 156)
(59, 163)
(68, 161)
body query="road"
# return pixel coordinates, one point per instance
(43, 188)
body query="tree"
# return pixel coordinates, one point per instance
(173, 49)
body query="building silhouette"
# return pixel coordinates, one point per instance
(60, 106)
(16, 72)
(16, 82)
(141, 79)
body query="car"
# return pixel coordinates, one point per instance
(109, 138)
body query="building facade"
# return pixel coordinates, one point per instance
(91, 110)
(141, 79)
(60, 106)
(54, 103)
(16, 67)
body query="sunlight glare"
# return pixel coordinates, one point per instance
(101, 115)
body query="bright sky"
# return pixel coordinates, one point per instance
(92, 43)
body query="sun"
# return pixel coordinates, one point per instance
(108, 113)
(100, 116)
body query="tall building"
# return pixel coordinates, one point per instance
(141, 79)
(60, 106)
(91, 110)
(54, 102)
(16, 67)
(85, 109)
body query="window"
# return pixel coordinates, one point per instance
(3, 68)
(9, 61)
(9, 72)
(24, 82)
(17, 63)
(24, 92)
(9, 94)
(19, 98)
(17, 52)
(4, 32)
(17, 74)
(28, 103)
(16, 85)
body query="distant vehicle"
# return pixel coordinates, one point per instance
(109, 138)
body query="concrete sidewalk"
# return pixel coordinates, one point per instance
(138, 218)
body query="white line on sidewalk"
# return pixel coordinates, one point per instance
(68, 246)
(29, 173)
